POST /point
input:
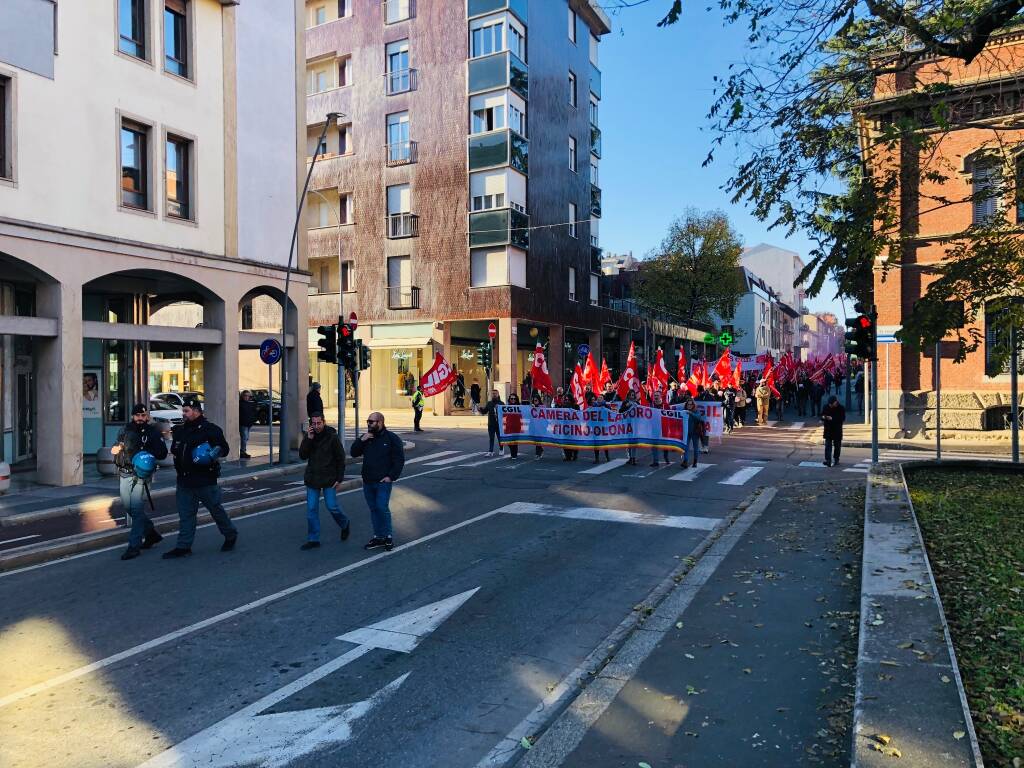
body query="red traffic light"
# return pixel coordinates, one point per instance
(865, 322)
(344, 330)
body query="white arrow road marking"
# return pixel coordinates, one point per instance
(616, 516)
(248, 738)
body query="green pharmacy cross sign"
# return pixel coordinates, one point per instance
(725, 339)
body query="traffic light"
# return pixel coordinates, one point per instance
(346, 347)
(364, 356)
(861, 339)
(486, 356)
(480, 352)
(328, 344)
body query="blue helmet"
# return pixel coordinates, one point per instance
(203, 455)
(144, 464)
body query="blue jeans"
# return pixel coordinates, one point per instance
(188, 500)
(243, 438)
(692, 441)
(313, 510)
(378, 497)
(133, 501)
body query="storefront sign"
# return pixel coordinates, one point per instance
(92, 407)
(440, 376)
(593, 427)
(400, 355)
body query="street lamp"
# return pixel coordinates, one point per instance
(332, 118)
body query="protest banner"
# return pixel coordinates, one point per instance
(440, 376)
(597, 428)
(714, 412)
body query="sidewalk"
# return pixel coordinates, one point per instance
(758, 670)
(856, 435)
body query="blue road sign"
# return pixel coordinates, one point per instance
(583, 350)
(270, 351)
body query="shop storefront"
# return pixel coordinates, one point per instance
(394, 373)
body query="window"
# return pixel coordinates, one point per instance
(487, 39)
(131, 27)
(397, 63)
(324, 279)
(134, 165)
(593, 171)
(323, 213)
(6, 128)
(399, 199)
(176, 37)
(399, 146)
(320, 15)
(179, 177)
(345, 208)
(572, 90)
(593, 49)
(593, 110)
(572, 219)
(572, 283)
(345, 72)
(348, 276)
(516, 43)
(396, 10)
(345, 145)
(984, 192)
(488, 118)
(344, 8)
(487, 202)
(572, 25)
(322, 150)
(572, 154)
(996, 341)
(399, 272)
(516, 120)
(594, 282)
(320, 79)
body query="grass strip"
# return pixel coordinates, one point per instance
(973, 527)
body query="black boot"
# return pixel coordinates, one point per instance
(152, 539)
(176, 553)
(131, 553)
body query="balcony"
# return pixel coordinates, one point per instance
(398, 10)
(498, 148)
(403, 297)
(400, 81)
(595, 81)
(502, 226)
(499, 70)
(400, 153)
(595, 140)
(595, 258)
(400, 225)
(324, 308)
(481, 7)
(595, 200)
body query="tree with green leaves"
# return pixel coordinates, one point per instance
(799, 115)
(695, 271)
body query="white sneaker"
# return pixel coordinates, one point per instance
(489, 453)
(501, 452)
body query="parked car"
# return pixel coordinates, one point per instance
(262, 398)
(164, 415)
(177, 399)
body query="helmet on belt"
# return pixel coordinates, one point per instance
(144, 464)
(203, 455)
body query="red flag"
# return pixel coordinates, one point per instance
(705, 380)
(539, 375)
(681, 367)
(737, 376)
(723, 369)
(440, 376)
(577, 386)
(591, 376)
(661, 371)
(769, 380)
(628, 379)
(605, 376)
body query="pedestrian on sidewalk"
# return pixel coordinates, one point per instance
(383, 459)
(139, 436)
(247, 416)
(324, 455)
(196, 445)
(537, 402)
(419, 402)
(695, 427)
(459, 391)
(314, 403)
(832, 418)
(491, 412)
(764, 395)
(513, 399)
(474, 398)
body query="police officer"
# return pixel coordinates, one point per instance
(138, 437)
(196, 444)
(418, 404)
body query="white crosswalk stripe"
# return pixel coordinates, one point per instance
(615, 516)
(740, 477)
(430, 457)
(690, 474)
(448, 460)
(600, 469)
(798, 425)
(485, 461)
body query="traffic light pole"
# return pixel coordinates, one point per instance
(938, 405)
(874, 411)
(341, 384)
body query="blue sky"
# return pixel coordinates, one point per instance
(657, 86)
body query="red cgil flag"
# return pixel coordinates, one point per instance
(591, 375)
(539, 375)
(681, 367)
(628, 380)
(723, 368)
(769, 380)
(605, 376)
(577, 386)
(661, 371)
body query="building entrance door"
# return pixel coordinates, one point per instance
(24, 416)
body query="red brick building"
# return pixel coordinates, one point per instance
(986, 97)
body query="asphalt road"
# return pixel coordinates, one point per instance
(508, 574)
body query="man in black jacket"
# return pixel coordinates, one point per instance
(247, 416)
(137, 436)
(832, 417)
(383, 458)
(197, 481)
(314, 403)
(325, 471)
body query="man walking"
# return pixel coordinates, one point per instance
(418, 403)
(832, 417)
(247, 416)
(491, 412)
(383, 458)
(764, 396)
(196, 444)
(314, 403)
(325, 472)
(138, 436)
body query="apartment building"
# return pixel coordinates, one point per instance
(149, 170)
(460, 186)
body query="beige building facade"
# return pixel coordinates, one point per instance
(149, 171)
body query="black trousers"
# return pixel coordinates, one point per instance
(417, 415)
(833, 444)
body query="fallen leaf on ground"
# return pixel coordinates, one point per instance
(959, 735)
(525, 742)
(944, 679)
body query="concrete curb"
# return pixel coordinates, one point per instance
(105, 505)
(904, 650)
(565, 715)
(947, 445)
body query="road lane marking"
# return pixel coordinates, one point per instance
(812, 464)
(448, 460)
(481, 463)
(741, 476)
(20, 538)
(690, 474)
(857, 469)
(430, 457)
(250, 738)
(618, 516)
(798, 425)
(600, 469)
(191, 629)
